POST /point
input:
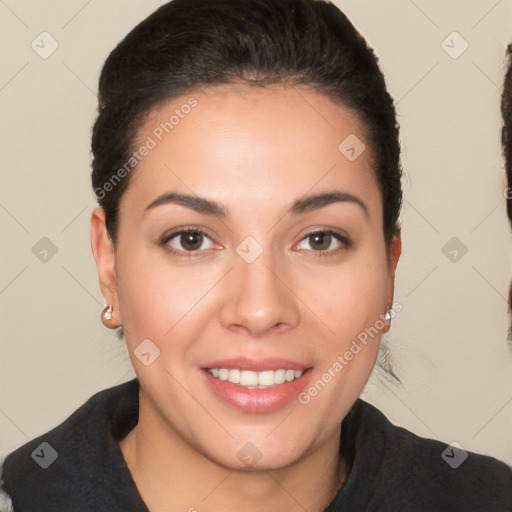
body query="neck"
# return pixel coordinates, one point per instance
(171, 474)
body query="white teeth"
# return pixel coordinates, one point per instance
(259, 380)
(248, 378)
(266, 378)
(279, 376)
(234, 376)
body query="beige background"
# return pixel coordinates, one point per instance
(450, 341)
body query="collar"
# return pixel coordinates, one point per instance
(89, 472)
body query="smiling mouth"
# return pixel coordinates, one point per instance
(255, 380)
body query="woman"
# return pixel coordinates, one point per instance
(246, 164)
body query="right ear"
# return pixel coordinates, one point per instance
(104, 254)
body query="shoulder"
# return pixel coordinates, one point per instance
(68, 455)
(439, 475)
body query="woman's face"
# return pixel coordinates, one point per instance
(254, 174)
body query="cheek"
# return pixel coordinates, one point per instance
(352, 298)
(157, 299)
(351, 303)
(144, 290)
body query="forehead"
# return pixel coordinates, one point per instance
(247, 143)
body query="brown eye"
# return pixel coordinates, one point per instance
(187, 240)
(191, 241)
(320, 241)
(325, 242)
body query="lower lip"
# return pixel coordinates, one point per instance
(258, 400)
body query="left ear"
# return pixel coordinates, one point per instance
(395, 249)
(105, 256)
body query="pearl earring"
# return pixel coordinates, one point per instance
(387, 318)
(106, 316)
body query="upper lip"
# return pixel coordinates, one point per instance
(257, 365)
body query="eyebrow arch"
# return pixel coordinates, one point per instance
(317, 201)
(209, 207)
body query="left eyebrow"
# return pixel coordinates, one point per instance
(210, 207)
(196, 203)
(317, 201)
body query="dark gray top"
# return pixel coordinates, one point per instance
(79, 467)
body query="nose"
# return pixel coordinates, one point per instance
(259, 299)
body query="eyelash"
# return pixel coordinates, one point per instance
(345, 242)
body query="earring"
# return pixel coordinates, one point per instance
(387, 318)
(106, 316)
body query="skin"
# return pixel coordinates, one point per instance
(255, 151)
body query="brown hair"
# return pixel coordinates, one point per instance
(188, 44)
